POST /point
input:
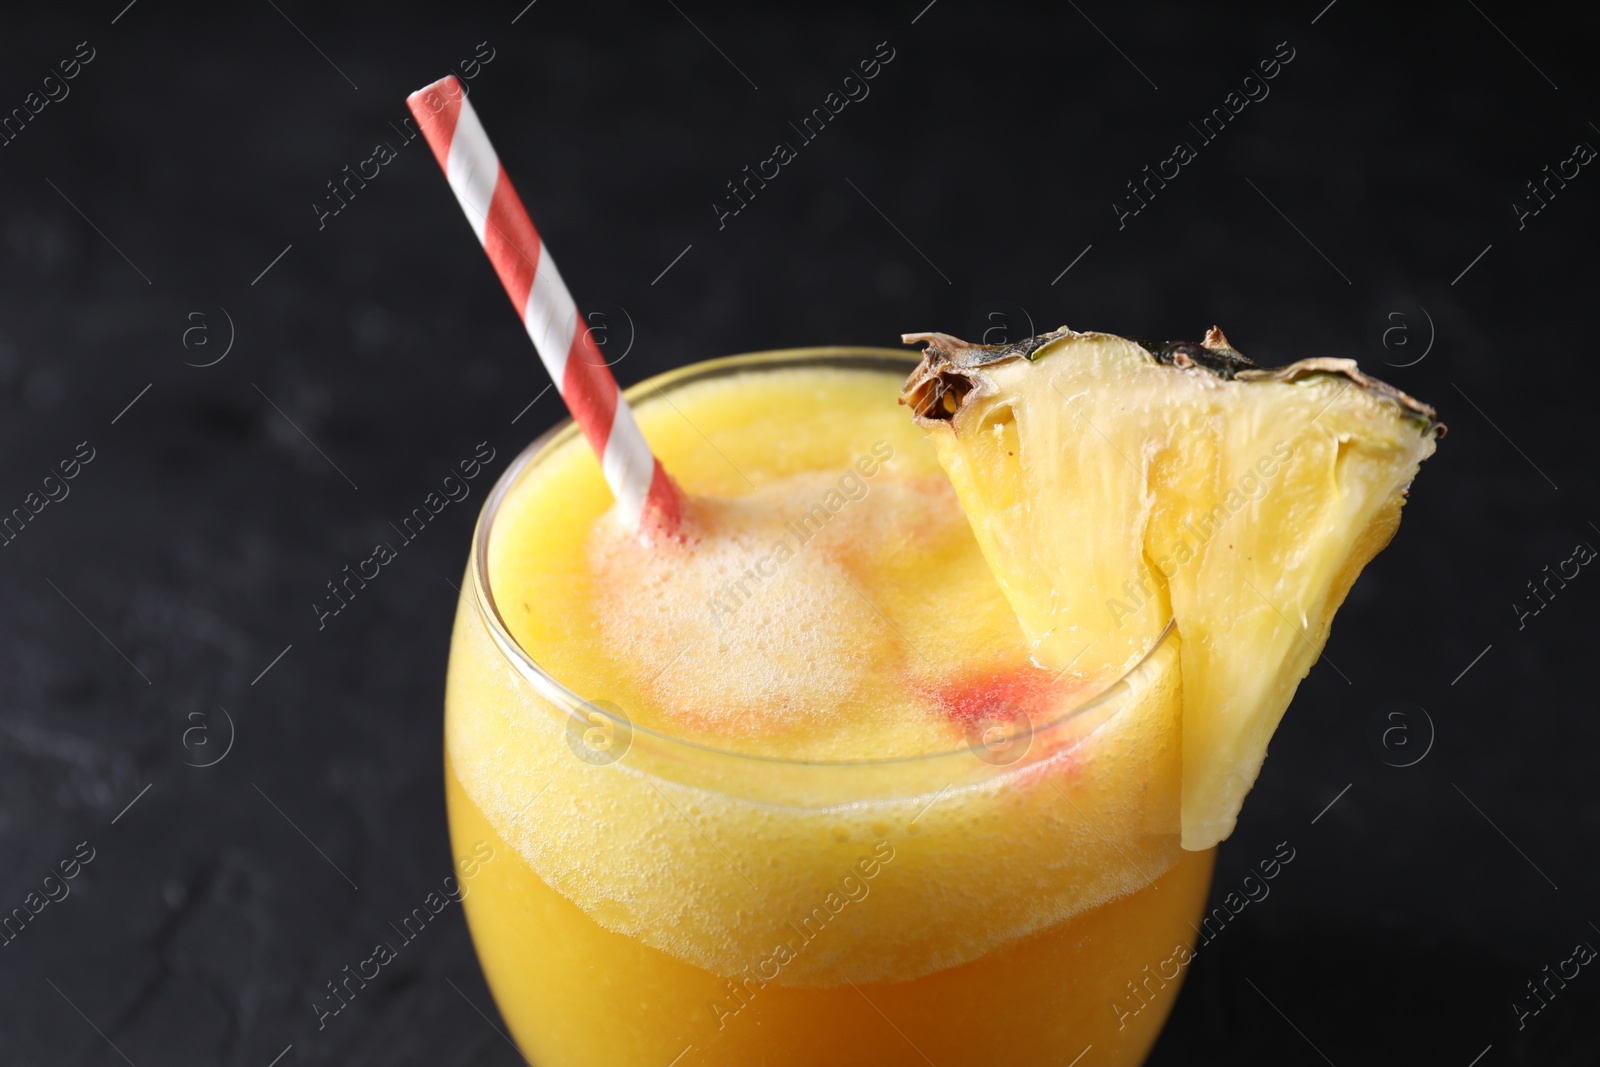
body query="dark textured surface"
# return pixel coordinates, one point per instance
(997, 140)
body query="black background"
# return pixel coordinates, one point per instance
(189, 154)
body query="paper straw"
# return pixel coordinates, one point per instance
(647, 498)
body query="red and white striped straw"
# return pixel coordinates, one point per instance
(647, 498)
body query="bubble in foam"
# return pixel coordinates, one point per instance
(754, 623)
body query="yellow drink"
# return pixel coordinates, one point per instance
(823, 809)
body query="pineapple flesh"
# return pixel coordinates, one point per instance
(1116, 486)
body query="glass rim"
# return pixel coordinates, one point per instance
(859, 357)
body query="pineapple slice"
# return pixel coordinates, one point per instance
(1115, 486)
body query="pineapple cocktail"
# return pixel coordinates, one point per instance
(814, 782)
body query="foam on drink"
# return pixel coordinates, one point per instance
(771, 626)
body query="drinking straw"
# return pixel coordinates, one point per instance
(647, 499)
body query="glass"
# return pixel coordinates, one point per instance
(642, 899)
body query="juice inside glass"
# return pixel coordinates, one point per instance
(792, 792)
